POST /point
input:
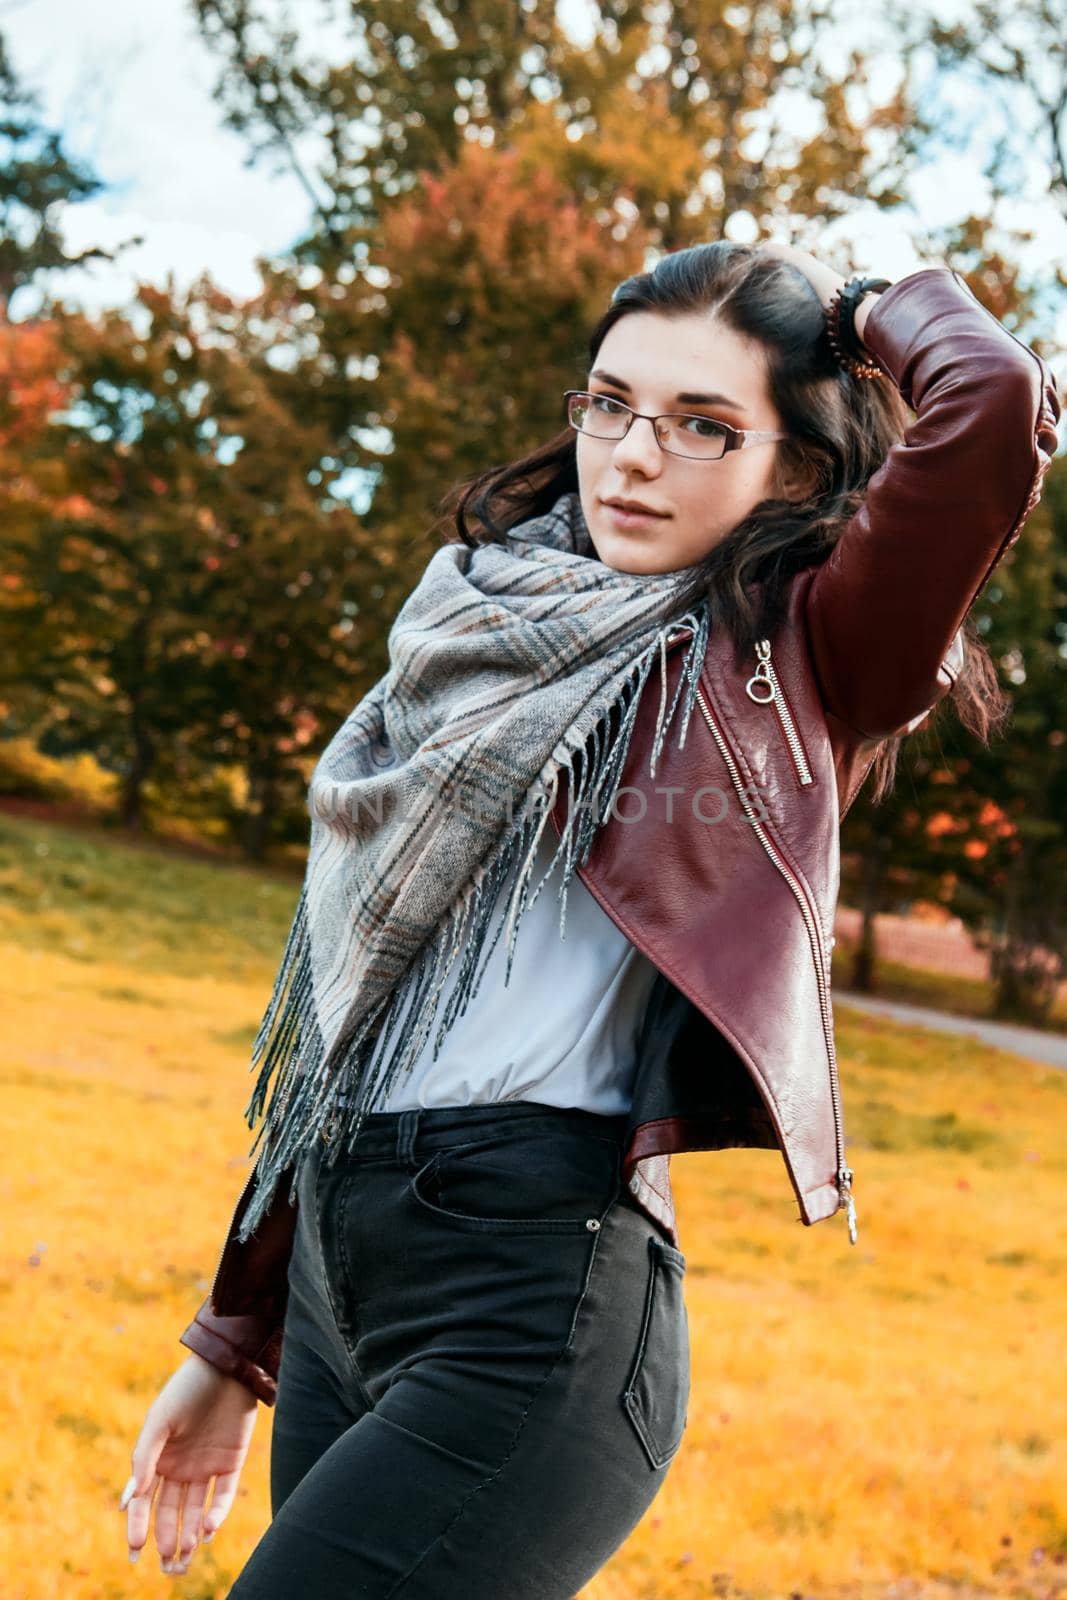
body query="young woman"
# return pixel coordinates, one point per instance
(456, 1267)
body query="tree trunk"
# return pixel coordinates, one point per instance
(259, 817)
(144, 755)
(1026, 973)
(875, 867)
(1026, 985)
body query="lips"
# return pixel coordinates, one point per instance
(634, 507)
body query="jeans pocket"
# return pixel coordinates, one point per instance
(535, 1181)
(656, 1396)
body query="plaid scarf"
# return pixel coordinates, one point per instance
(508, 666)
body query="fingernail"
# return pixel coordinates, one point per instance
(135, 1555)
(209, 1536)
(126, 1493)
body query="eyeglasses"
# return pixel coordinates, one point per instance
(680, 434)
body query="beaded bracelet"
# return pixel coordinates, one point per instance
(841, 326)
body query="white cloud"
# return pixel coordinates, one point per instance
(130, 86)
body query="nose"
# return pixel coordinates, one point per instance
(639, 448)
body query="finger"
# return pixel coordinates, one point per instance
(137, 1495)
(225, 1493)
(192, 1522)
(139, 1512)
(168, 1509)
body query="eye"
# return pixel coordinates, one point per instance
(706, 428)
(604, 403)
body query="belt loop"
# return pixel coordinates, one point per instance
(406, 1131)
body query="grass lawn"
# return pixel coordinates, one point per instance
(945, 991)
(881, 1419)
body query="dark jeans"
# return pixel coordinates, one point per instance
(485, 1369)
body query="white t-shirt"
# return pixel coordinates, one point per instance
(564, 1031)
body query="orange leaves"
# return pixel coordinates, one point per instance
(996, 821)
(975, 835)
(73, 507)
(29, 382)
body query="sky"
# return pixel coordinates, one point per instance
(130, 85)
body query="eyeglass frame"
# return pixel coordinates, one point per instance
(737, 438)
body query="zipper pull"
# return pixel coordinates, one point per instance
(844, 1184)
(762, 675)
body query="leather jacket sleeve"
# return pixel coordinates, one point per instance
(239, 1326)
(246, 1348)
(884, 609)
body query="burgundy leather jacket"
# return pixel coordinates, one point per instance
(724, 868)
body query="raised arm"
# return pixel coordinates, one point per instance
(884, 608)
(238, 1328)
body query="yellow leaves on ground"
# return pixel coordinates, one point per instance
(881, 1419)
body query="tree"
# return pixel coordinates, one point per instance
(677, 107)
(38, 180)
(1012, 880)
(182, 604)
(980, 829)
(658, 129)
(1011, 66)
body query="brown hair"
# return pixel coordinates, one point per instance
(841, 429)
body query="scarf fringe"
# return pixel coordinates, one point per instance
(320, 1094)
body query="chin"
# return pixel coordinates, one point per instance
(616, 554)
(631, 561)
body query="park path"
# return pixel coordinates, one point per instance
(1034, 1043)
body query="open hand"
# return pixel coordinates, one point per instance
(198, 1427)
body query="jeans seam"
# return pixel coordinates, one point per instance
(588, 1274)
(658, 1454)
(347, 1271)
(478, 1487)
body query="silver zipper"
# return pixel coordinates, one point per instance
(767, 690)
(218, 1265)
(1033, 494)
(218, 1269)
(844, 1172)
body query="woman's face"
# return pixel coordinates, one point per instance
(650, 360)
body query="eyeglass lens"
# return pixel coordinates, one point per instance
(604, 418)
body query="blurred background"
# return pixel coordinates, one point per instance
(272, 278)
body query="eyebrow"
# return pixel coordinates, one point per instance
(687, 399)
